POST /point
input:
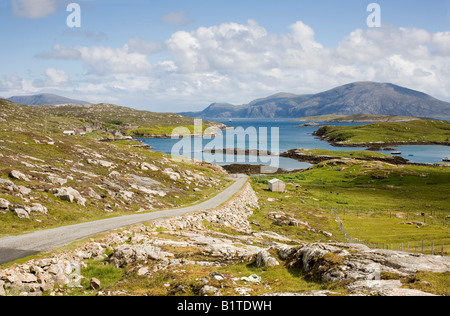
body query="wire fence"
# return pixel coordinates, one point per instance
(418, 247)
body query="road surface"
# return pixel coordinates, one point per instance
(17, 247)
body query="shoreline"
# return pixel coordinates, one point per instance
(176, 136)
(384, 144)
(239, 151)
(293, 154)
(252, 170)
(218, 131)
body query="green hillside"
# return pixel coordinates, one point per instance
(358, 118)
(39, 165)
(420, 131)
(127, 120)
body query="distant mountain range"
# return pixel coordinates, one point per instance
(351, 99)
(45, 99)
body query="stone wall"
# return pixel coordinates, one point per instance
(233, 213)
(63, 269)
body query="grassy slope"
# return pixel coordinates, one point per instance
(413, 131)
(358, 118)
(374, 199)
(115, 117)
(25, 147)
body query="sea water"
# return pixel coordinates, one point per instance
(291, 136)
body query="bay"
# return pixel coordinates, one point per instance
(277, 135)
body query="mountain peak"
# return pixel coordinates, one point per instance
(363, 97)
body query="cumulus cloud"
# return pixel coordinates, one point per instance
(56, 76)
(11, 83)
(103, 60)
(251, 57)
(234, 62)
(52, 78)
(34, 9)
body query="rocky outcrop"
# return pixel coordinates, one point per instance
(70, 195)
(4, 204)
(362, 267)
(19, 176)
(283, 219)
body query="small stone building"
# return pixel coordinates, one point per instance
(277, 185)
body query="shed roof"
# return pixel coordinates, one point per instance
(275, 181)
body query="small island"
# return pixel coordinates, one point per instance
(316, 156)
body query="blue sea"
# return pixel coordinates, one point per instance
(275, 135)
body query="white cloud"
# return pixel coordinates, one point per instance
(11, 83)
(60, 52)
(235, 63)
(52, 78)
(103, 60)
(412, 57)
(56, 76)
(15, 85)
(34, 9)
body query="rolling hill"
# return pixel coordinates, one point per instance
(45, 99)
(131, 121)
(48, 179)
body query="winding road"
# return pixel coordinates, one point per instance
(17, 247)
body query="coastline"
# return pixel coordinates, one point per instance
(314, 159)
(252, 170)
(174, 136)
(239, 151)
(383, 144)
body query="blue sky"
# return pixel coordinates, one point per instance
(179, 55)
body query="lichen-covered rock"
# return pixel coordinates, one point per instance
(336, 262)
(69, 194)
(126, 254)
(19, 176)
(265, 259)
(38, 208)
(22, 212)
(4, 204)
